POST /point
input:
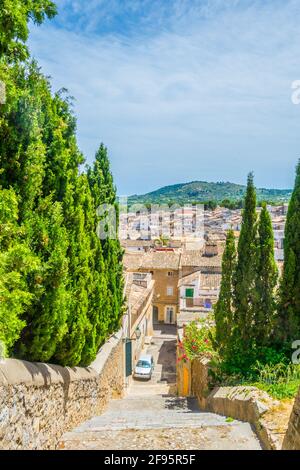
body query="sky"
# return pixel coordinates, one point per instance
(180, 90)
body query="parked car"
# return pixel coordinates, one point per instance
(144, 367)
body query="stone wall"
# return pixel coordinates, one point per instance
(292, 437)
(39, 402)
(242, 403)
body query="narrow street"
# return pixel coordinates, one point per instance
(151, 416)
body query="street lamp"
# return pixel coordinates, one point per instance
(138, 333)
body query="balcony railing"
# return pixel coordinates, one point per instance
(141, 279)
(191, 302)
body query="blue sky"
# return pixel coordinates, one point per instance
(180, 90)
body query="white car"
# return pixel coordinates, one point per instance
(144, 367)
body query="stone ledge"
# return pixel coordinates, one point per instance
(292, 437)
(98, 364)
(242, 403)
(17, 372)
(245, 404)
(40, 402)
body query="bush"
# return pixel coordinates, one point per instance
(198, 339)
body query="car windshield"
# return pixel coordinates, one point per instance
(144, 364)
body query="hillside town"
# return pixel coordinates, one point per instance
(167, 321)
(175, 281)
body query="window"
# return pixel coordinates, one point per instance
(170, 290)
(170, 273)
(189, 293)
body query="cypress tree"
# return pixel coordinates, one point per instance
(267, 275)
(245, 275)
(47, 315)
(61, 287)
(224, 309)
(104, 193)
(99, 307)
(289, 306)
(70, 348)
(17, 264)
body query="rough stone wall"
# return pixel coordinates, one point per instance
(292, 437)
(201, 381)
(243, 403)
(39, 402)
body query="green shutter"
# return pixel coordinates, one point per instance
(128, 356)
(189, 293)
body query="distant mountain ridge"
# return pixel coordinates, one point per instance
(202, 191)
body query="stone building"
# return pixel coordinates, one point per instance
(173, 271)
(138, 321)
(164, 267)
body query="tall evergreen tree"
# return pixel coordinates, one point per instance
(224, 309)
(46, 318)
(267, 275)
(289, 307)
(17, 264)
(245, 274)
(104, 193)
(61, 287)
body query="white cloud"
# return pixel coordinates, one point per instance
(206, 98)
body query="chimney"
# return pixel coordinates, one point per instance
(211, 249)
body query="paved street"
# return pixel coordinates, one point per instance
(152, 417)
(163, 350)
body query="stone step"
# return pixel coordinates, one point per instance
(148, 413)
(239, 437)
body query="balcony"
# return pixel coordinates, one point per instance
(142, 279)
(195, 302)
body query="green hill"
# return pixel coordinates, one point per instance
(202, 191)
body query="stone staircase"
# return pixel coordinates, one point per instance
(159, 422)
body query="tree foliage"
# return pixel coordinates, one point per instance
(245, 273)
(289, 310)
(266, 281)
(61, 287)
(224, 308)
(246, 310)
(14, 18)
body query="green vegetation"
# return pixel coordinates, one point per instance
(61, 287)
(14, 19)
(198, 339)
(228, 195)
(245, 313)
(255, 320)
(266, 281)
(243, 283)
(280, 380)
(289, 309)
(224, 307)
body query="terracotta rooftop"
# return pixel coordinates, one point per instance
(132, 261)
(189, 279)
(161, 260)
(210, 281)
(191, 258)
